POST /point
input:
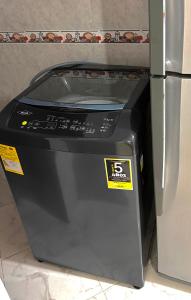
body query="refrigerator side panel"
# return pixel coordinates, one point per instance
(157, 36)
(174, 35)
(166, 94)
(186, 67)
(174, 225)
(170, 36)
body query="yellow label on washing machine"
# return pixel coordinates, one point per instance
(119, 173)
(10, 159)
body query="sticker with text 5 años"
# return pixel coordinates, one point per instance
(10, 159)
(119, 173)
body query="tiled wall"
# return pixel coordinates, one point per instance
(20, 60)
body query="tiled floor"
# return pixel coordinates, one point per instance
(27, 279)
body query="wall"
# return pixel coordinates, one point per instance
(20, 61)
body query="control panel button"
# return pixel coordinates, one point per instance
(63, 126)
(24, 123)
(64, 123)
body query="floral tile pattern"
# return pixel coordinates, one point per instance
(133, 75)
(105, 36)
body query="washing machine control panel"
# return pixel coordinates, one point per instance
(63, 123)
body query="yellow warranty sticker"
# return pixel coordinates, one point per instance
(10, 159)
(118, 173)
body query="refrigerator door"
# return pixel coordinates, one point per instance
(172, 127)
(170, 36)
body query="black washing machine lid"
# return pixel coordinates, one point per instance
(86, 89)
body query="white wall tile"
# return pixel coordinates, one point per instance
(73, 14)
(19, 63)
(120, 14)
(122, 54)
(29, 15)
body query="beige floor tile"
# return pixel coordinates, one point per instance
(149, 292)
(105, 284)
(27, 279)
(158, 281)
(156, 287)
(101, 296)
(12, 235)
(1, 271)
(5, 193)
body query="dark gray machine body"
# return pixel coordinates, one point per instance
(70, 215)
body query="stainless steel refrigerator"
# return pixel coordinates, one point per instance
(170, 33)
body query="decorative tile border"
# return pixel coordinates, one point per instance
(105, 36)
(128, 75)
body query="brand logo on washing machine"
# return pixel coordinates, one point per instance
(24, 113)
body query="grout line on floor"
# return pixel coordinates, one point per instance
(22, 250)
(97, 294)
(102, 291)
(105, 295)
